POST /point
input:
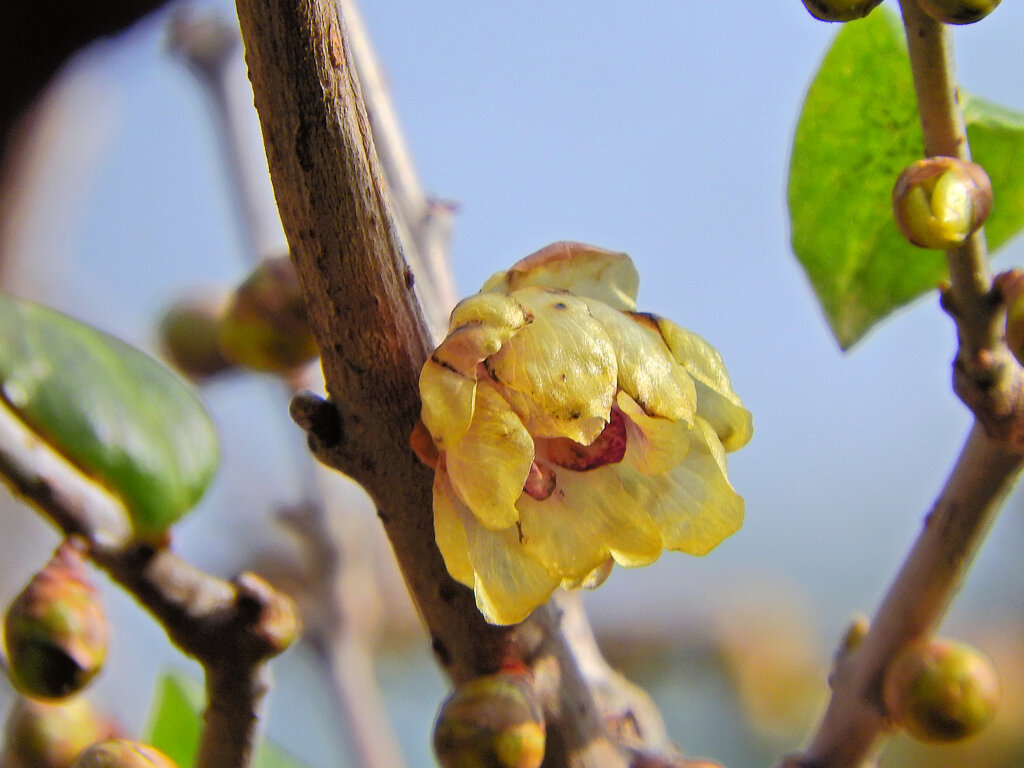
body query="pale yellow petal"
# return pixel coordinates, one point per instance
(509, 582)
(492, 309)
(653, 445)
(716, 402)
(489, 465)
(561, 367)
(694, 505)
(449, 532)
(588, 518)
(585, 270)
(448, 398)
(647, 369)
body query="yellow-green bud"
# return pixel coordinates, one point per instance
(942, 691)
(939, 201)
(493, 721)
(840, 10)
(265, 327)
(958, 11)
(51, 735)
(55, 630)
(189, 335)
(118, 753)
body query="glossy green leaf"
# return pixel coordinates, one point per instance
(858, 130)
(176, 725)
(116, 413)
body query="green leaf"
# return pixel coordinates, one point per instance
(858, 130)
(175, 725)
(116, 413)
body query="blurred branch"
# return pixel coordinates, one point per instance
(37, 38)
(991, 383)
(373, 341)
(231, 628)
(339, 594)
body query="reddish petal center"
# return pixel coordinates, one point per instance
(608, 448)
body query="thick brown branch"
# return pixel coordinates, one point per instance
(373, 342)
(232, 629)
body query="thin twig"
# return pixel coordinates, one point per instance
(231, 628)
(988, 379)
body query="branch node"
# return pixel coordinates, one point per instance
(318, 418)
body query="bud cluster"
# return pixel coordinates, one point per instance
(262, 326)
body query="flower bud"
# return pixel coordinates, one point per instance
(942, 691)
(189, 335)
(958, 11)
(51, 735)
(840, 10)
(939, 201)
(265, 327)
(494, 721)
(118, 753)
(55, 630)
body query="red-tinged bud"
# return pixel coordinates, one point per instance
(942, 691)
(51, 735)
(840, 10)
(190, 337)
(118, 753)
(493, 721)
(939, 201)
(55, 630)
(958, 11)
(265, 327)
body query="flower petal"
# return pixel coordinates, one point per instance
(586, 270)
(560, 369)
(653, 445)
(448, 398)
(509, 582)
(449, 532)
(694, 505)
(588, 518)
(647, 369)
(490, 464)
(716, 402)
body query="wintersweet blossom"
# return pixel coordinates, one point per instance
(571, 432)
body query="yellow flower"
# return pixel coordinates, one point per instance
(572, 432)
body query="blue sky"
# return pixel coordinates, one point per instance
(660, 129)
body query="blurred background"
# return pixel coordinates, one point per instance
(662, 130)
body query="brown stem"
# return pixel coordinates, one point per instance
(916, 601)
(373, 342)
(989, 381)
(232, 629)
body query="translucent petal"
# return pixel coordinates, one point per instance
(585, 270)
(716, 402)
(588, 518)
(501, 312)
(653, 445)
(449, 531)
(489, 465)
(647, 369)
(694, 505)
(509, 582)
(448, 398)
(561, 365)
